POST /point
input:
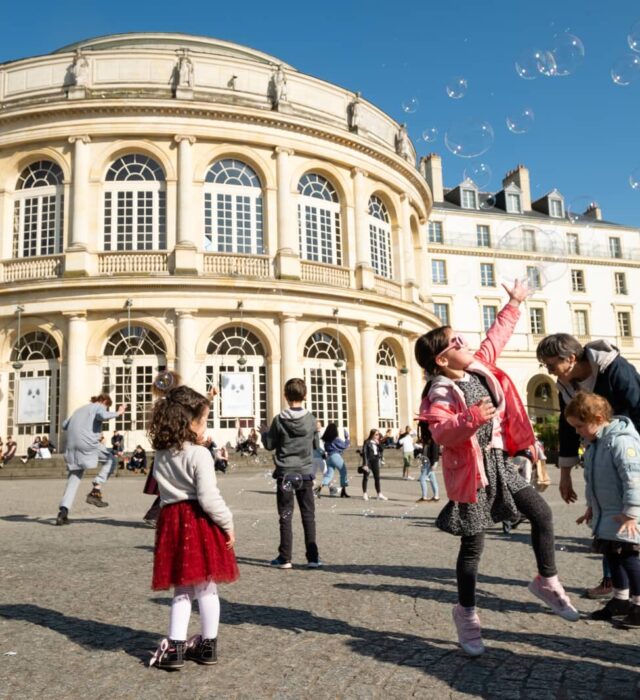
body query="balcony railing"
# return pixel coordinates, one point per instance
(321, 273)
(132, 263)
(48, 267)
(232, 264)
(388, 287)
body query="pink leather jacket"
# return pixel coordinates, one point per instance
(453, 424)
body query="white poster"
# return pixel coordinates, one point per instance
(236, 397)
(386, 398)
(33, 400)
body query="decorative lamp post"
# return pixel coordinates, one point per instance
(127, 360)
(18, 364)
(338, 363)
(242, 360)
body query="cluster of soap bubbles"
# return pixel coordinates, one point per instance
(626, 69)
(562, 58)
(367, 512)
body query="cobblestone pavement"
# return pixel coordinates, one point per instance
(78, 619)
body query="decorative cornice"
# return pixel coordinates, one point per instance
(83, 138)
(181, 137)
(282, 150)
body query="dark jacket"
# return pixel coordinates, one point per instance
(371, 453)
(293, 436)
(613, 378)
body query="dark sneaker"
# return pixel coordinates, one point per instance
(95, 499)
(281, 563)
(169, 655)
(603, 590)
(202, 651)
(315, 564)
(632, 618)
(614, 608)
(62, 518)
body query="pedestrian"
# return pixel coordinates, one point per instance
(84, 429)
(32, 451)
(319, 455)
(138, 460)
(405, 441)
(252, 443)
(612, 479)
(44, 451)
(476, 416)
(9, 450)
(597, 367)
(334, 448)
(292, 436)
(194, 534)
(429, 461)
(371, 464)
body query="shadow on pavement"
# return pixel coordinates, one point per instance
(75, 521)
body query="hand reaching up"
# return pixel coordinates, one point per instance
(518, 293)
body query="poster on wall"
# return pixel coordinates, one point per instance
(33, 400)
(236, 396)
(386, 399)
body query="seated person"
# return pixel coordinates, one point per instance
(9, 451)
(138, 460)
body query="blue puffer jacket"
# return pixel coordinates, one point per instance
(612, 476)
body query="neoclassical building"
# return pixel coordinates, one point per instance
(177, 201)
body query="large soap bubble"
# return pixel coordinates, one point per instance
(469, 137)
(534, 62)
(480, 173)
(633, 37)
(410, 105)
(634, 179)
(292, 482)
(520, 121)
(568, 54)
(578, 206)
(430, 134)
(626, 69)
(456, 87)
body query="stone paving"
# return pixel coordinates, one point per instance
(78, 619)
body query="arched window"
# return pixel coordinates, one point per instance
(233, 209)
(131, 360)
(38, 213)
(327, 384)
(135, 208)
(237, 365)
(387, 380)
(319, 220)
(380, 238)
(39, 376)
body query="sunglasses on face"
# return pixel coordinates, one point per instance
(457, 342)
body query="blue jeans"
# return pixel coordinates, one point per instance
(335, 461)
(427, 474)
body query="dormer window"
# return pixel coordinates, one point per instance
(514, 205)
(555, 208)
(468, 198)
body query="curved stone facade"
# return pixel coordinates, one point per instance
(168, 200)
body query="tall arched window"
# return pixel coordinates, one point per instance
(40, 372)
(131, 360)
(236, 353)
(38, 213)
(387, 380)
(233, 209)
(135, 208)
(319, 220)
(327, 384)
(380, 238)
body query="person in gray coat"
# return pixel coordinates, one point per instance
(84, 451)
(612, 477)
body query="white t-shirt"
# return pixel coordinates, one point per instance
(407, 444)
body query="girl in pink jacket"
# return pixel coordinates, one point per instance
(475, 414)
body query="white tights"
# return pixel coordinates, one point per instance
(208, 603)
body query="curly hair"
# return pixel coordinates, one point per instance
(172, 414)
(587, 407)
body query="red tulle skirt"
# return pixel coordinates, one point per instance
(190, 549)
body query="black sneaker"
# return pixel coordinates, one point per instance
(63, 518)
(281, 563)
(614, 608)
(95, 499)
(632, 618)
(202, 651)
(169, 655)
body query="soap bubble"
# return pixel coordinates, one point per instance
(469, 137)
(164, 381)
(533, 62)
(577, 207)
(626, 69)
(520, 121)
(430, 134)
(487, 203)
(410, 105)
(480, 173)
(568, 53)
(634, 36)
(634, 179)
(541, 256)
(367, 512)
(456, 87)
(292, 482)
(286, 515)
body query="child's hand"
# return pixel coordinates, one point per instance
(518, 293)
(487, 409)
(121, 409)
(231, 539)
(586, 517)
(629, 525)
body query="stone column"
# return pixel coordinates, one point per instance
(411, 287)
(288, 255)
(186, 330)
(424, 278)
(364, 272)
(369, 380)
(78, 262)
(78, 392)
(290, 367)
(186, 258)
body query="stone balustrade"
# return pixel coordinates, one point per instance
(48, 267)
(320, 273)
(132, 263)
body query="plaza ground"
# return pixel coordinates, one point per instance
(78, 618)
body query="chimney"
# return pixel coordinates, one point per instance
(431, 169)
(520, 177)
(593, 211)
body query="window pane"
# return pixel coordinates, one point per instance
(489, 314)
(483, 237)
(442, 312)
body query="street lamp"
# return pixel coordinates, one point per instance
(18, 364)
(338, 363)
(242, 360)
(127, 360)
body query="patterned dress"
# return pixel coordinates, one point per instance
(495, 501)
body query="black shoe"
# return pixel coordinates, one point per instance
(614, 608)
(344, 494)
(506, 527)
(202, 651)
(632, 618)
(317, 491)
(169, 655)
(63, 518)
(95, 499)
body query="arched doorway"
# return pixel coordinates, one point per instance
(326, 377)
(542, 399)
(387, 388)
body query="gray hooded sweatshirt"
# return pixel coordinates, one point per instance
(293, 436)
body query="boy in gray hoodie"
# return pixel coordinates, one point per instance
(293, 436)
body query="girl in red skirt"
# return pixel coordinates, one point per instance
(194, 534)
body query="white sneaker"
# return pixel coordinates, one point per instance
(382, 497)
(365, 497)
(410, 478)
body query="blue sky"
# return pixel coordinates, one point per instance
(585, 137)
